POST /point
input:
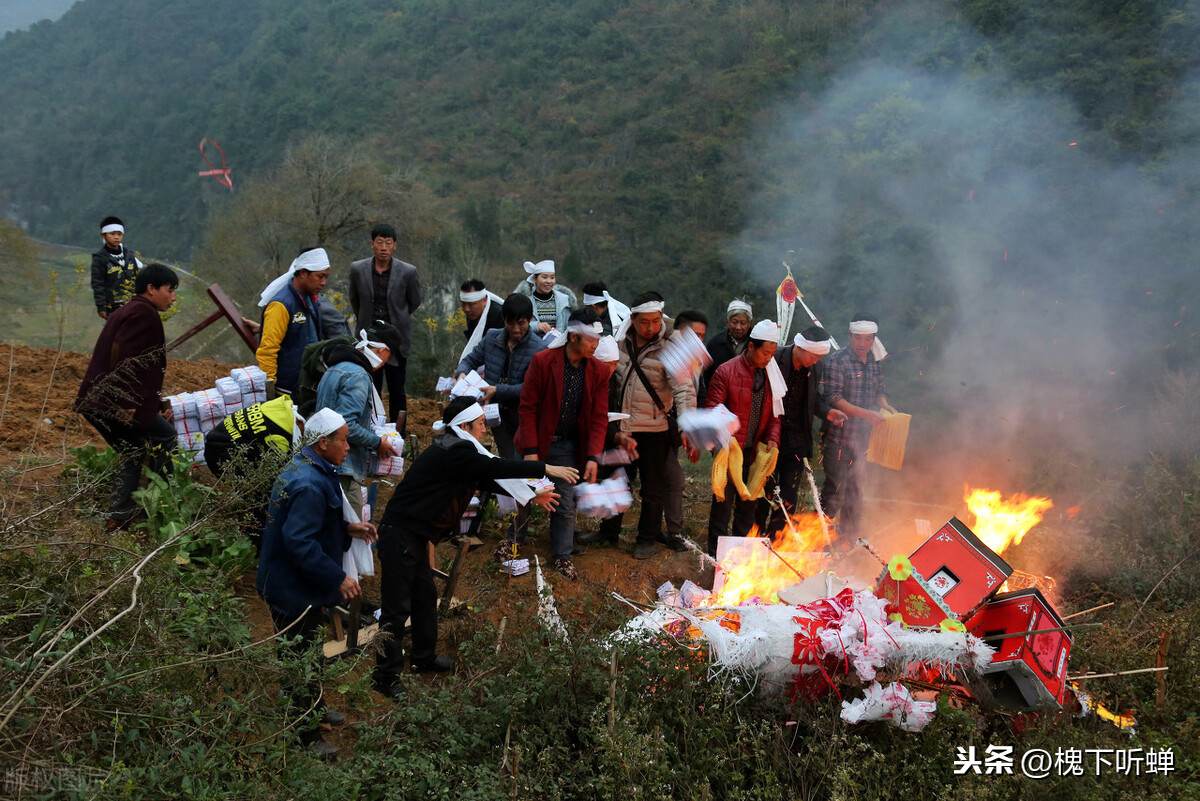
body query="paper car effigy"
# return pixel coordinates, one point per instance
(934, 619)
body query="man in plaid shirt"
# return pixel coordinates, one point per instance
(854, 385)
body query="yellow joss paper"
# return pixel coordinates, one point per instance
(764, 466)
(720, 473)
(888, 440)
(737, 465)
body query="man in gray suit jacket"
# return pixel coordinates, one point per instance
(383, 288)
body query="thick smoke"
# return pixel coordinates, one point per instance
(1027, 284)
(1033, 288)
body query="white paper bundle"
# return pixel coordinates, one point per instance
(444, 384)
(191, 444)
(540, 485)
(469, 516)
(505, 505)
(231, 394)
(692, 595)
(684, 356)
(709, 429)
(668, 594)
(390, 465)
(605, 499)
(210, 409)
(252, 382)
(491, 414)
(617, 456)
(515, 567)
(893, 703)
(470, 385)
(550, 335)
(357, 560)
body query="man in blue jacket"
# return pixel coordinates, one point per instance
(292, 317)
(300, 569)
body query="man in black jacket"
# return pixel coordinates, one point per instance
(731, 342)
(114, 268)
(426, 508)
(800, 365)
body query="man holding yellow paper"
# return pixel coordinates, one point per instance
(854, 386)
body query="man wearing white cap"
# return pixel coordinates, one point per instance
(750, 387)
(731, 342)
(552, 302)
(853, 385)
(802, 369)
(386, 289)
(649, 394)
(564, 414)
(300, 569)
(292, 317)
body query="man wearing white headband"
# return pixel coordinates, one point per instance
(563, 417)
(481, 308)
(802, 369)
(746, 388)
(384, 289)
(113, 268)
(611, 311)
(731, 342)
(427, 507)
(853, 385)
(300, 569)
(346, 388)
(552, 302)
(292, 317)
(652, 397)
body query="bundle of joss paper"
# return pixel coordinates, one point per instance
(196, 413)
(604, 499)
(709, 429)
(389, 465)
(685, 356)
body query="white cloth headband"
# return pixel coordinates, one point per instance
(478, 329)
(575, 327)
(518, 488)
(467, 415)
(315, 261)
(738, 307)
(364, 344)
(864, 327)
(113, 228)
(546, 266)
(648, 307)
(594, 300)
(765, 331)
(820, 348)
(867, 327)
(322, 424)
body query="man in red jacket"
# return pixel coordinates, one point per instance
(120, 393)
(563, 417)
(743, 385)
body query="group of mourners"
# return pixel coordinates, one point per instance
(574, 383)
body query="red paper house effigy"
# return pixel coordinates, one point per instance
(1028, 671)
(954, 574)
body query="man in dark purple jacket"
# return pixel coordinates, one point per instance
(120, 394)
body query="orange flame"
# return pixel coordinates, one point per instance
(752, 570)
(1001, 522)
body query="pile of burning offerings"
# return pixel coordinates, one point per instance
(941, 619)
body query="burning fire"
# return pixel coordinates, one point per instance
(760, 567)
(1001, 522)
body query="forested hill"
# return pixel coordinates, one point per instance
(621, 138)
